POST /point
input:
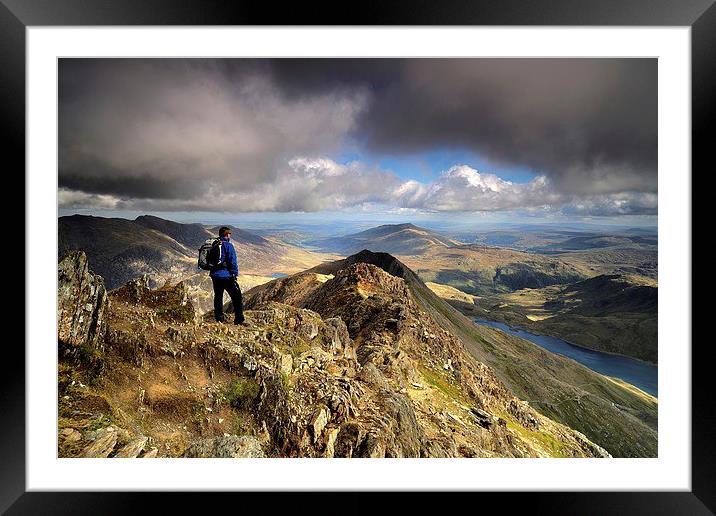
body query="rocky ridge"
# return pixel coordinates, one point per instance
(355, 369)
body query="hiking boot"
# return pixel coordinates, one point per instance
(240, 323)
(221, 319)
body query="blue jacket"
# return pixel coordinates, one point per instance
(230, 267)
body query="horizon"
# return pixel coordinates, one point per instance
(259, 221)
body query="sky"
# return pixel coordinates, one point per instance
(460, 139)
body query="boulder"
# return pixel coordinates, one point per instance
(227, 446)
(151, 454)
(331, 435)
(70, 435)
(482, 418)
(319, 422)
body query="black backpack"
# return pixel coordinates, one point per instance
(211, 255)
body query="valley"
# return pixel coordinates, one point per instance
(603, 297)
(641, 375)
(610, 313)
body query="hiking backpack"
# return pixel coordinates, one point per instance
(211, 255)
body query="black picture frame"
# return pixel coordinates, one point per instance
(16, 15)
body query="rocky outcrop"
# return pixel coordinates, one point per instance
(132, 449)
(105, 442)
(135, 290)
(81, 303)
(169, 301)
(301, 367)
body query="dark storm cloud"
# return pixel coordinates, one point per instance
(187, 129)
(226, 134)
(589, 124)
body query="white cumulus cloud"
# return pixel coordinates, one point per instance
(311, 184)
(462, 188)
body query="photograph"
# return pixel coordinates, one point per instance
(358, 257)
(324, 254)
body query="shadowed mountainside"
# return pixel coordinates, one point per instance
(190, 235)
(241, 235)
(120, 249)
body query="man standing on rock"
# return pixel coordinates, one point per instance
(223, 277)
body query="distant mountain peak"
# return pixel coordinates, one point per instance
(385, 261)
(401, 239)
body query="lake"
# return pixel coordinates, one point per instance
(635, 372)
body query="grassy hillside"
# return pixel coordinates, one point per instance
(580, 243)
(614, 260)
(605, 251)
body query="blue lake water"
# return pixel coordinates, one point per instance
(635, 372)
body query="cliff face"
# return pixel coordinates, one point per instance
(337, 365)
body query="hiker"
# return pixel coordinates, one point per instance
(223, 277)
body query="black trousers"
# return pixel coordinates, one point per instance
(232, 287)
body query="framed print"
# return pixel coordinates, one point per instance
(443, 251)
